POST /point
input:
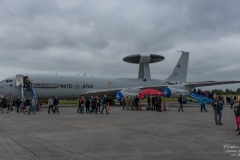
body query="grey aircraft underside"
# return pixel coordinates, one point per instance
(71, 87)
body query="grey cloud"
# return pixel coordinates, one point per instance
(72, 37)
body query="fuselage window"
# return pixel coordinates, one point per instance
(9, 81)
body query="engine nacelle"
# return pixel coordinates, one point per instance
(174, 93)
(125, 93)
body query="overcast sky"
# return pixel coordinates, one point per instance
(85, 36)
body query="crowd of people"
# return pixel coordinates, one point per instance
(93, 104)
(8, 102)
(131, 103)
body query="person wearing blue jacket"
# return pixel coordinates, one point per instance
(203, 104)
(104, 103)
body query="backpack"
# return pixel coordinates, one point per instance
(81, 101)
(220, 106)
(17, 101)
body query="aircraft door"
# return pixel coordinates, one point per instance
(19, 80)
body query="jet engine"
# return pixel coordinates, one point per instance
(127, 92)
(175, 93)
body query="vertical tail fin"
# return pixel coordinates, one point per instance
(179, 73)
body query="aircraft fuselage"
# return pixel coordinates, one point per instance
(71, 87)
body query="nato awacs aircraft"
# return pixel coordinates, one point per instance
(71, 87)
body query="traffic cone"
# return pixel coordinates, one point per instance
(164, 105)
(139, 107)
(109, 106)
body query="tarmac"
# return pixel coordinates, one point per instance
(129, 135)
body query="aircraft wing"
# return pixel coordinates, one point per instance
(101, 91)
(210, 83)
(159, 87)
(112, 91)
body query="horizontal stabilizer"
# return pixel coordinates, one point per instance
(209, 83)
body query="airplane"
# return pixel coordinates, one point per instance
(71, 87)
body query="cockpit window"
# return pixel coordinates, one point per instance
(6, 81)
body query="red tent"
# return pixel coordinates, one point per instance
(150, 92)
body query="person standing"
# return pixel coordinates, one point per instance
(237, 115)
(18, 101)
(159, 108)
(131, 103)
(156, 103)
(28, 84)
(55, 103)
(8, 102)
(4, 104)
(93, 104)
(223, 99)
(134, 97)
(82, 105)
(203, 104)
(149, 102)
(87, 106)
(11, 103)
(79, 105)
(153, 103)
(50, 105)
(194, 90)
(104, 103)
(180, 102)
(33, 104)
(28, 103)
(136, 102)
(127, 103)
(217, 106)
(235, 98)
(98, 101)
(123, 101)
(231, 102)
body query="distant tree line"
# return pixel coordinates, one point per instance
(226, 92)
